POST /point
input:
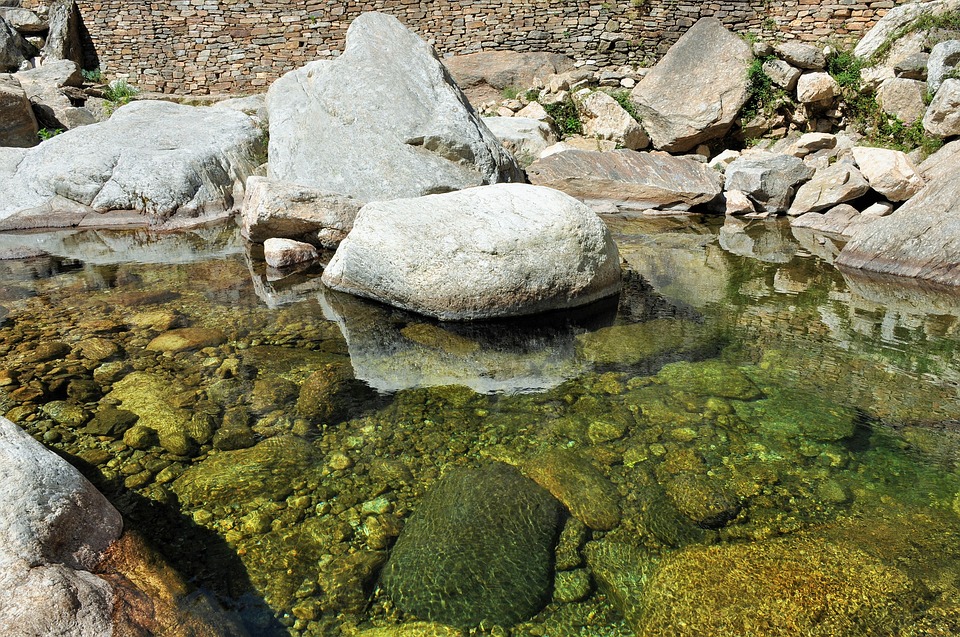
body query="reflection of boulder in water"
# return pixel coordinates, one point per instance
(821, 245)
(392, 349)
(912, 297)
(681, 260)
(140, 245)
(282, 287)
(765, 241)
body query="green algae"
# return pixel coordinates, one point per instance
(709, 378)
(636, 343)
(796, 412)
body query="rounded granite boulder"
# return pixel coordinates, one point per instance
(478, 549)
(485, 252)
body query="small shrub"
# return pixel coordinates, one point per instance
(118, 93)
(764, 96)
(623, 99)
(94, 76)
(566, 116)
(532, 95)
(510, 93)
(46, 133)
(845, 68)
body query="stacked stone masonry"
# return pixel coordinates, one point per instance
(241, 46)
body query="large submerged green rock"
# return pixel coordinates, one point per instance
(636, 343)
(479, 548)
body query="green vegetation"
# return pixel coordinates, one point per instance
(765, 97)
(623, 99)
(46, 133)
(118, 93)
(566, 116)
(510, 93)
(845, 68)
(94, 76)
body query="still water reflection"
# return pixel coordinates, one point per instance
(749, 442)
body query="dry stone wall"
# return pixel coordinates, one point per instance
(241, 46)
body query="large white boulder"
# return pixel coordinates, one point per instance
(173, 165)
(903, 98)
(895, 19)
(604, 118)
(942, 64)
(54, 529)
(832, 185)
(628, 179)
(696, 91)
(384, 120)
(492, 251)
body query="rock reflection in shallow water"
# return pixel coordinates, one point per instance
(770, 242)
(393, 350)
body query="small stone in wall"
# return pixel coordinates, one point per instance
(280, 253)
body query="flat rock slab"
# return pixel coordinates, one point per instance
(478, 548)
(484, 75)
(173, 165)
(921, 239)
(492, 251)
(696, 91)
(628, 179)
(382, 121)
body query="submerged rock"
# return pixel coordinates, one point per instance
(637, 343)
(710, 378)
(414, 132)
(478, 549)
(579, 485)
(187, 338)
(495, 251)
(790, 412)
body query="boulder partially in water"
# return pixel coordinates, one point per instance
(494, 251)
(384, 120)
(171, 165)
(479, 548)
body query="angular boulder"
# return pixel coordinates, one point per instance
(800, 55)
(889, 172)
(895, 19)
(769, 179)
(492, 251)
(696, 91)
(940, 162)
(843, 220)
(14, 50)
(382, 121)
(282, 253)
(525, 137)
(279, 209)
(44, 86)
(484, 76)
(604, 118)
(23, 20)
(479, 548)
(782, 74)
(942, 64)
(830, 186)
(942, 118)
(903, 98)
(18, 126)
(628, 179)
(816, 88)
(54, 529)
(63, 39)
(171, 165)
(921, 239)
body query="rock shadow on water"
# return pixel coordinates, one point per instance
(217, 577)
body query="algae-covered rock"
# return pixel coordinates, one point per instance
(702, 499)
(478, 548)
(709, 378)
(792, 586)
(621, 572)
(791, 412)
(109, 421)
(186, 338)
(579, 485)
(639, 342)
(331, 394)
(152, 398)
(265, 470)
(413, 629)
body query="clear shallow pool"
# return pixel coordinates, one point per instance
(750, 443)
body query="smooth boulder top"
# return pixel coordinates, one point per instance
(382, 121)
(493, 251)
(171, 164)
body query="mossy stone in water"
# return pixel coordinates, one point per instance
(265, 470)
(579, 485)
(478, 548)
(331, 394)
(791, 412)
(710, 378)
(637, 342)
